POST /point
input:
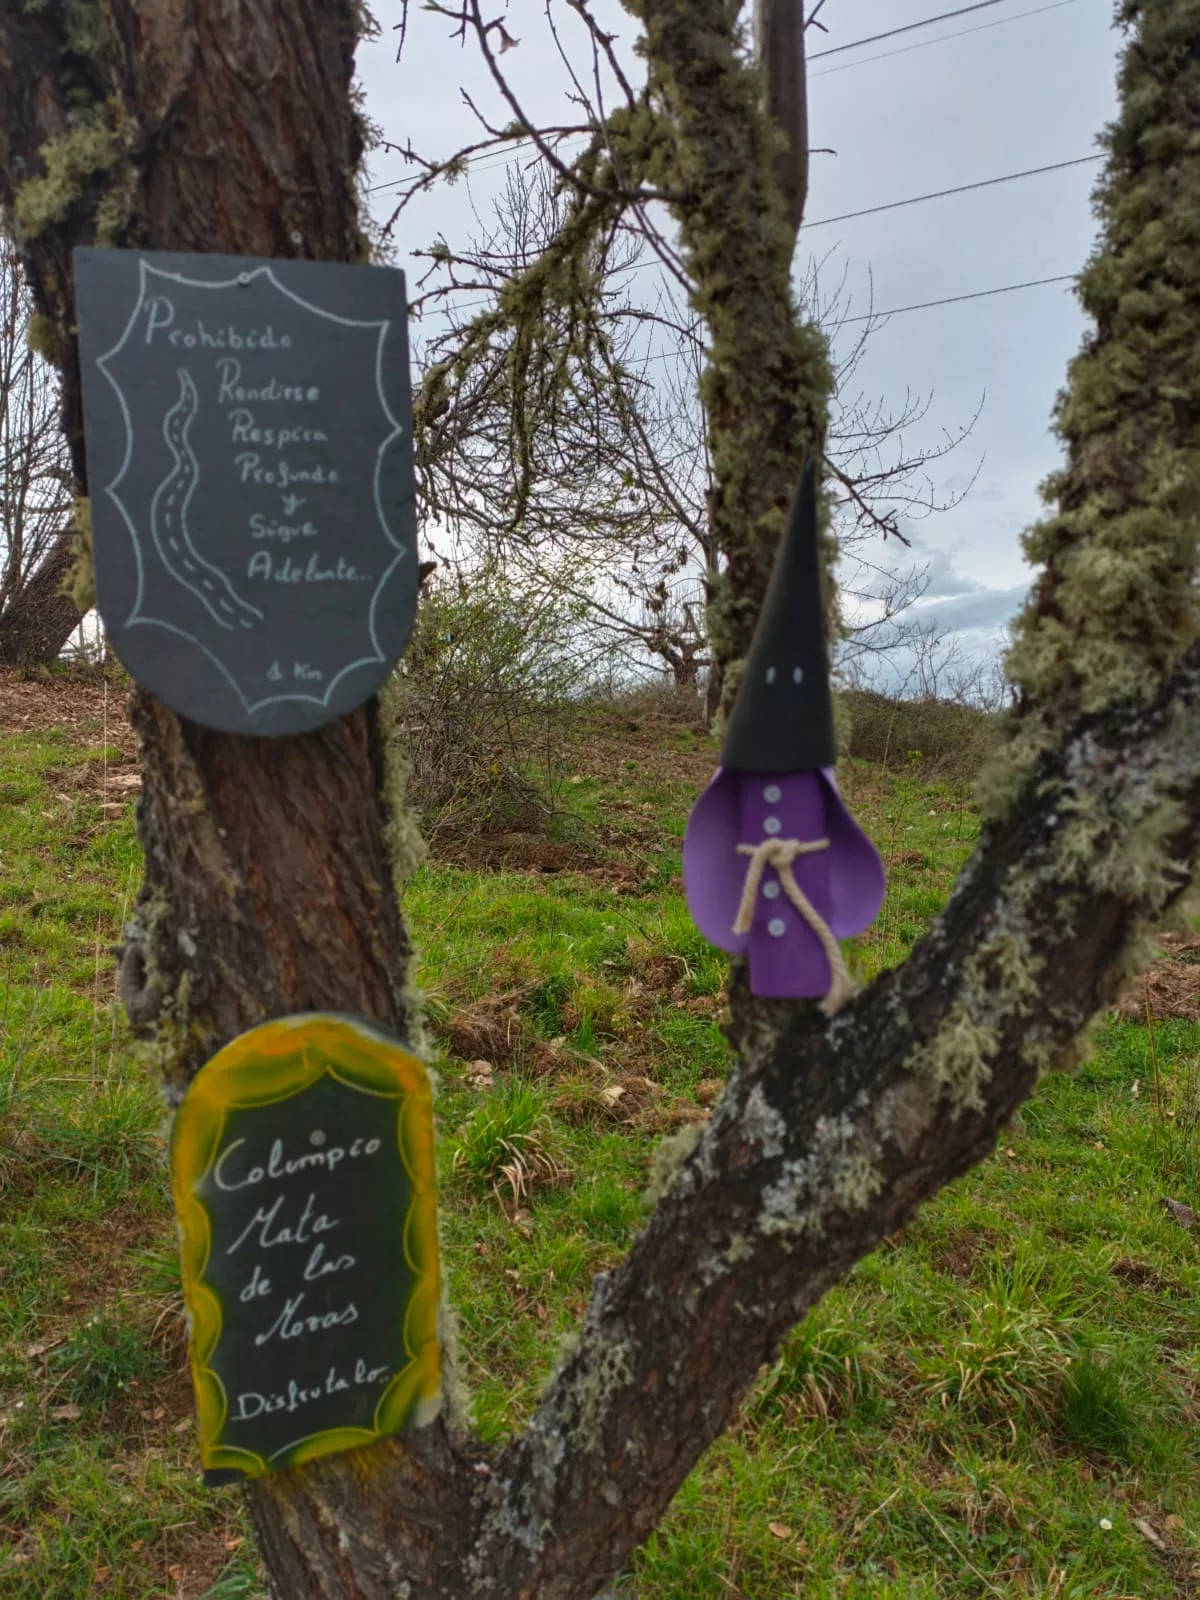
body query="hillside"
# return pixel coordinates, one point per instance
(1005, 1399)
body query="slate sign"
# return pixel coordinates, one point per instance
(248, 426)
(303, 1170)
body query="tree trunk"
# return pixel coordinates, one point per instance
(227, 124)
(766, 381)
(42, 617)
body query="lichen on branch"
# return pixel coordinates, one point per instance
(1116, 603)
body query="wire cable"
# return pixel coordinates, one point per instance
(924, 44)
(867, 211)
(909, 27)
(940, 194)
(955, 299)
(923, 305)
(490, 161)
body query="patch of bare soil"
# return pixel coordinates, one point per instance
(86, 710)
(514, 852)
(1143, 1275)
(1171, 987)
(654, 742)
(961, 1250)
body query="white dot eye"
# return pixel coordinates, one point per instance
(772, 793)
(770, 674)
(797, 674)
(777, 927)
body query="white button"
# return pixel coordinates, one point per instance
(771, 890)
(772, 825)
(777, 927)
(772, 793)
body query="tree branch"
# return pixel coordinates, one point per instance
(831, 1134)
(779, 44)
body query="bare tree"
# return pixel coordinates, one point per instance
(36, 615)
(593, 455)
(267, 870)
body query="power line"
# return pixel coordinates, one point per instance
(924, 305)
(909, 27)
(490, 161)
(867, 211)
(963, 188)
(924, 44)
(955, 299)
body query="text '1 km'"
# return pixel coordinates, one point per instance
(249, 446)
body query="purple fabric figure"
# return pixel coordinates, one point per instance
(842, 881)
(775, 866)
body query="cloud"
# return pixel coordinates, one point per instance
(978, 610)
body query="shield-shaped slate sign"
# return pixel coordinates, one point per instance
(303, 1170)
(248, 427)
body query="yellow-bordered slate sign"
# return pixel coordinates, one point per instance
(303, 1168)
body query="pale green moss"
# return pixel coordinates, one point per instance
(608, 1369)
(1000, 983)
(456, 1394)
(44, 338)
(115, 206)
(1116, 603)
(840, 1173)
(668, 1159)
(80, 581)
(85, 27)
(767, 377)
(69, 162)
(957, 1060)
(406, 848)
(762, 1124)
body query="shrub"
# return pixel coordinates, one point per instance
(482, 704)
(951, 740)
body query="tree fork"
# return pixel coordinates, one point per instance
(228, 124)
(224, 125)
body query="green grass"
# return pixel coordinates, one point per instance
(1005, 1399)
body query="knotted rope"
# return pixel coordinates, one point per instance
(780, 853)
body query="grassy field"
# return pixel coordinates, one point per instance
(1004, 1400)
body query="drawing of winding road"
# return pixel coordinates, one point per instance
(168, 520)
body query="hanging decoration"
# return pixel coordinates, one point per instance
(776, 868)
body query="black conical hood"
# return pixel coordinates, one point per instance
(782, 719)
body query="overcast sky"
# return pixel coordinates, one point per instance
(1014, 85)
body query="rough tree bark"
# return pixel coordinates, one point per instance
(38, 623)
(37, 615)
(767, 379)
(227, 124)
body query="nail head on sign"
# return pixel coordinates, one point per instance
(243, 278)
